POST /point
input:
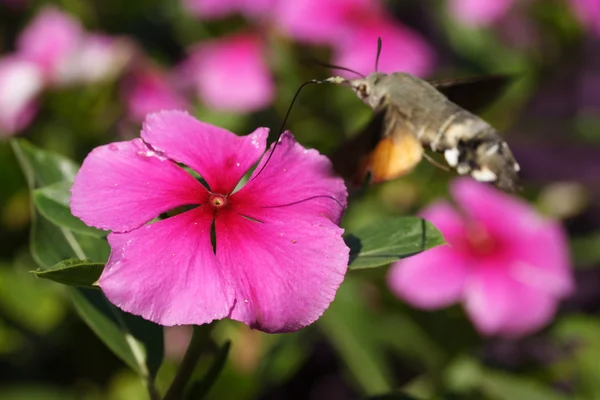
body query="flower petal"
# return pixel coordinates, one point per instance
(123, 185)
(219, 156)
(294, 181)
(230, 73)
(286, 272)
(149, 90)
(500, 213)
(479, 13)
(49, 39)
(403, 49)
(541, 259)
(444, 217)
(432, 279)
(498, 304)
(167, 271)
(20, 82)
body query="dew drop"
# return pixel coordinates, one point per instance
(113, 147)
(237, 164)
(245, 300)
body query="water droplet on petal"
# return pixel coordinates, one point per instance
(113, 147)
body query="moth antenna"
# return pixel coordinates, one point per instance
(379, 45)
(435, 163)
(287, 114)
(333, 66)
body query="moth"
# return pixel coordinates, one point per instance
(411, 114)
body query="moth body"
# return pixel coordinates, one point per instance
(414, 114)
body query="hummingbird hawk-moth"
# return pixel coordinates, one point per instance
(411, 114)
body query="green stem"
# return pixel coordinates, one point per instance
(198, 343)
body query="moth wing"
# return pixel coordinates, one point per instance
(386, 149)
(473, 94)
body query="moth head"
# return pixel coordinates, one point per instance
(367, 89)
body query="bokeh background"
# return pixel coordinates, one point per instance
(76, 74)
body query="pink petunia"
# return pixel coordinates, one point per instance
(506, 263)
(147, 90)
(402, 49)
(479, 13)
(277, 257)
(588, 12)
(20, 83)
(231, 74)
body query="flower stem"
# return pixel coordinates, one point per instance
(195, 349)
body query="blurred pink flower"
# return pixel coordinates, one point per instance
(57, 42)
(479, 13)
(278, 255)
(212, 9)
(352, 27)
(506, 263)
(588, 12)
(230, 73)
(20, 83)
(322, 22)
(402, 49)
(147, 90)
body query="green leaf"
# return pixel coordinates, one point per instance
(348, 326)
(41, 167)
(383, 242)
(200, 388)
(53, 203)
(139, 343)
(73, 272)
(49, 243)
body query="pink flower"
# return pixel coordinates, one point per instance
(480, 13)
(402, 49)
(509, 265)
(148, 89)
(67, 54)
(588, 12)
(322, 22)
(51, 37)
(212, 9)
(20, 83)
(278, 256)
(230, 73)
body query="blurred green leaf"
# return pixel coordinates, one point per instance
(348, 325)
(581, 336)
(49, 243)
(467, 374)
(73, 272)
(199, 389)
(383, 242)
(139, 343)
(41, 167)
(586, 250)
(53, 203)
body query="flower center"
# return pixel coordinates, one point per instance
(218, 200)
(480, 241)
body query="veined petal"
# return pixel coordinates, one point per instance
(123, 185)
(432, 279)
(286, 273)
(498, 304)
(167, 271)
(219, 156)
(295, 181)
